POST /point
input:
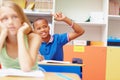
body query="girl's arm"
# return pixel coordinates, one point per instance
(3, 35)
(27, 56)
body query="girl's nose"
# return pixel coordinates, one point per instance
(10, 21)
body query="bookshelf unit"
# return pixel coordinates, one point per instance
(114, 22)
(80, 11)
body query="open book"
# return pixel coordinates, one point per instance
(17, 72)
(55, 61)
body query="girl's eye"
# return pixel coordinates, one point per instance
(4, 19)
(14, 17)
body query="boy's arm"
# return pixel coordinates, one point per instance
(78, 30)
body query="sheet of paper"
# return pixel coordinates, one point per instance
(17, 72)
(55, 61)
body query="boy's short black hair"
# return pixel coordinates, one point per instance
(37, 19)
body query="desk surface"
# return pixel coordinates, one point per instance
(48, 76)
(60, 64)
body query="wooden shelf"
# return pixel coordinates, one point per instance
(32, 15)
(36, 13)
(83, 23)
(114, 17)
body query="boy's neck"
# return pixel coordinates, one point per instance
(47, 39)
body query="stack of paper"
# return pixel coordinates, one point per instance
(17, 72)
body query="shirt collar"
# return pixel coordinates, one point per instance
(50, 41)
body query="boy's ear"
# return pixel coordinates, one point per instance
(34, 30)
(49, 27)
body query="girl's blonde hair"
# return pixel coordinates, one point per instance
(17, 9)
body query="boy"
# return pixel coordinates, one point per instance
(52, 46)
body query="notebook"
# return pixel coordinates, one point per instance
(55, 61)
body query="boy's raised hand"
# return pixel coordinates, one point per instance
(59, 16)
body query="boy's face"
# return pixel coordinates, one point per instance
(41, 27)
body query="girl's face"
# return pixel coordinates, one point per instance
(10, 19)
(42, 28)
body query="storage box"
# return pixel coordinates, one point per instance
(113, 42)
(96, 43)
(81, 42)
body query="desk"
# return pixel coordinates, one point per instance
(48, 76)
(68, 67)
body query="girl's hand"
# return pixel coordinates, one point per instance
(3, 28)
(40, 57)
(25, 28)
(59, 16)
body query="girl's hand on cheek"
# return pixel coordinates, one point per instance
(3, 28)
(25, 28)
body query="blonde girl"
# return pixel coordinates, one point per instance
(18, 44)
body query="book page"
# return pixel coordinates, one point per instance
(17, 72)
